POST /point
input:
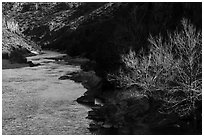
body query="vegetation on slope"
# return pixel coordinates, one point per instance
(100, 31)
(13, 41)
(171, 73)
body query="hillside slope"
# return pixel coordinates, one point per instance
(12, 39)
(100, 31)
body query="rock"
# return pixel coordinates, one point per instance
(31, 64)
(86, 100)
(107, 125)
(98, 102)
(94, 82)
(91, 80)
(34, 52)
(88, 79)
(72, 73)
(96, 118)
(64, 77)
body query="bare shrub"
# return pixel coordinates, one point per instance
(189, 72)
(173, 67)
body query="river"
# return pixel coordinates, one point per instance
(36, 102)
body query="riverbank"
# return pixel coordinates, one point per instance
(43, 100)
(36, 102)
(127, 111)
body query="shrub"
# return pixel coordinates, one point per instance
(188, 44)
(172, 66)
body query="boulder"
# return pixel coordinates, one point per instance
(86, 100)
(88, 79)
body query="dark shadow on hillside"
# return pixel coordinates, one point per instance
(6, 64)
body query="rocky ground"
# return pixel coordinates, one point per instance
(35, 101)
